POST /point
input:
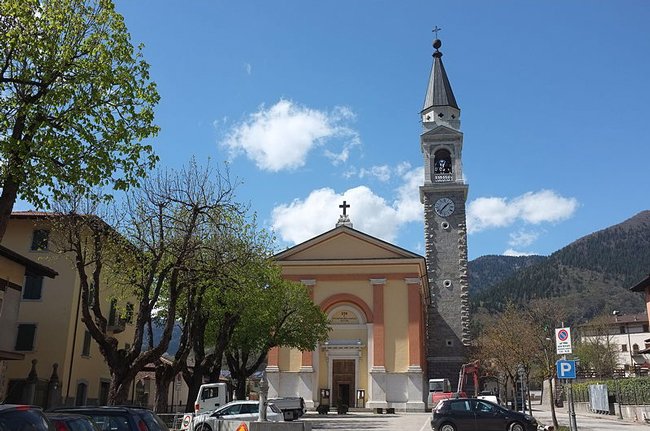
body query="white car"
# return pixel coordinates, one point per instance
(236, 410)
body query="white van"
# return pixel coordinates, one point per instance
(210, 397)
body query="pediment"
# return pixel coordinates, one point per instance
(441, 130)
(344, 243)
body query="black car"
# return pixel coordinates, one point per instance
(14, 417)
(114, 418)
(469, 414)
(72, 422)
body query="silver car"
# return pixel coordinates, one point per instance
(245, 411)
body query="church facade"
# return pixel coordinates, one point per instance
(397, 318)
(374, 294)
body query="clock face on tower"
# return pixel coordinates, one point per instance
(444, 207)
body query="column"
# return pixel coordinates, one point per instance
(415, 375)
(308, 383)
(377, 391)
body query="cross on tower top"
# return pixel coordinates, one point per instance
(344, 206)
(435, 30)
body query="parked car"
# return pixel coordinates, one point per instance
(72, 422)
(118, 418)
(469, 414)
(15, 417)
(243, 410)
(489, 396)
(292, 407)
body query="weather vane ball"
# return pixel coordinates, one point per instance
(437, 44)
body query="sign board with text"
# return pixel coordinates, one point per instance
(563, 341)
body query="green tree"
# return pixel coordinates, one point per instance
(596, 348)
(278, 314)
(75, 102)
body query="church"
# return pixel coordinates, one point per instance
(397, 318)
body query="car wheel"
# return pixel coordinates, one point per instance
(516, 426)
(203, 427)
(447, 427)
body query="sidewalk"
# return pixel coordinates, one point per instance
(586, 421)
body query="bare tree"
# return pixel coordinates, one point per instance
(146, 254)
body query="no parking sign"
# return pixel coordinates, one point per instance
(563, 341)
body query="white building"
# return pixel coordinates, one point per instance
(631, 336)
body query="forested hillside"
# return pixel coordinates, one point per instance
(486, 271)
(590, 276)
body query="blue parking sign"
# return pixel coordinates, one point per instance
(566, 369)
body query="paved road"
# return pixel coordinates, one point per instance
(367, 421)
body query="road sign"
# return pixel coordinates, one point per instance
(566, 369)
(563, 341)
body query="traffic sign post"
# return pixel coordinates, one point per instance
(566, 369)
(563, 341)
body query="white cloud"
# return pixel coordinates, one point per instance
(523, 238)
(248, 68)
(532, 207)
(368, 212)
(382, 173)
(511, 252)
(282, 136)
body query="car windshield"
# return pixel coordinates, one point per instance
(275, 409)
(110, 422)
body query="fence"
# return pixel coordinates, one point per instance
(623, 395)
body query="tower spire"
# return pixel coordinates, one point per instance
(440, 105)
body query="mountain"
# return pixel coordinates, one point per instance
(487, 271)
(590, 276)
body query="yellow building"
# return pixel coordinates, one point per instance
(374, 295)
(49, 326)
(14, 269)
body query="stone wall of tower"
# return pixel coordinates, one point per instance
(446, 255)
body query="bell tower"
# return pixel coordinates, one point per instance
(444, 195)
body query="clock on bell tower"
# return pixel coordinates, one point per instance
(444, 195)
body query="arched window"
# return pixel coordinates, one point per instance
(82, 393)
(442, 162)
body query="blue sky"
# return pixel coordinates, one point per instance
(316, 102)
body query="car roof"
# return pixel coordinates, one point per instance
(18, 407)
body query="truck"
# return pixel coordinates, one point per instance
(440, 389)
(210, 397)
(292, 407)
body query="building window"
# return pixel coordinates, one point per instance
(40, 239)
(129, 312)
(85, 351)
(635, 349)
(442, 162)
(112, 314)
(621, 329)
(645, 327)
(25, 337)
(623, 347)
(103, 392)
(33, 287)
(82, 393)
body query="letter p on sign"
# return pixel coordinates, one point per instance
(566, 369)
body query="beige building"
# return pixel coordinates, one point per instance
(49, 327)
(14, 270)
(374, 294)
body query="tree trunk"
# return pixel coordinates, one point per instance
(240, 389)
(118, 393)
(7, 200)
(164, 377)
(551, 396)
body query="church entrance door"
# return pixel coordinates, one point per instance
(343, 379)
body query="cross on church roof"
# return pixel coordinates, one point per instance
(435, 30)
(344, 206)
